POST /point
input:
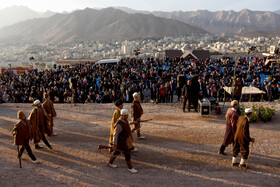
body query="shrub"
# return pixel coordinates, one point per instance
(260, 112)
(266, 114)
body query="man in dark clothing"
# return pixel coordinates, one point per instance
(237, 89)
(273, 92)
(184, 92)
(193, 94)
(154, 92)
(242, 139)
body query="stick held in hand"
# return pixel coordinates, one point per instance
(249, 157)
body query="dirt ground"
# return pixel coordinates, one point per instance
(180, 150)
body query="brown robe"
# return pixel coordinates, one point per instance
(48, 106)
(22, 132)
(124, 136)
(231, 119)
(242, 135)
(37, 120)
(115, 118)
(136, 110)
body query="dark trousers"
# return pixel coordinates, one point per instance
(237, 98)
(126, 155)
(244, 150)
(194, 102)
(28, 149)
(184, 103)
(137, 126)
(162, 98)
(43, 137)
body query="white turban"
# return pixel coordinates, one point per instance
(234, 102)
(248, 110)
(135, 94)
(36, 102)
(124, 112)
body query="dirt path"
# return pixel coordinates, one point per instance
(180, 150)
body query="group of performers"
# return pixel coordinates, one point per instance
(121, 139)
(40, 122)
(237, 133)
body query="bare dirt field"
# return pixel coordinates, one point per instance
(180, 150)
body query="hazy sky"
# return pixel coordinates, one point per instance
(163, 5)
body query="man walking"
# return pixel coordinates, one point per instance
(136, 113)
(48, 106)
(39, 123)
(115, 118)
(22, 134)
(242, 139)
(231, 119)
(122, 132)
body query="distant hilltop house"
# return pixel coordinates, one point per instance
(196, 54)
(172, 54)
(190, 54)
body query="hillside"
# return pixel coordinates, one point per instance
(91, 24)
(228, 22)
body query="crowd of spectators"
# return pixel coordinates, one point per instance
(155, 79)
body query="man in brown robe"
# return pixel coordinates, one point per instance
(231, 119)
(242, 139)
(122, 133)
(116, 116)
(136, 113)
(48, 106)
(22, 134)
(39, 123)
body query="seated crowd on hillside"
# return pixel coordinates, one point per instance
(155, 79)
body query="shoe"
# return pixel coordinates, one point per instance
(134, 150)
(141, 137)
(235, 164)
(222, 153)
(132, 170)
(112, 165)
(242, 166)
(36, 162)
(54, 134)
(38, 147)
(51, 148)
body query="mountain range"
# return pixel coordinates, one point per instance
(15, 14)
(222, 22)
(92, 24)
(23, 24)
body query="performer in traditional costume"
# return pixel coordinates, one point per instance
(22, 134)
(122, 132)
(48, 106)
(40, 125)
(231, 119)
(242, 139)
(136, 113)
